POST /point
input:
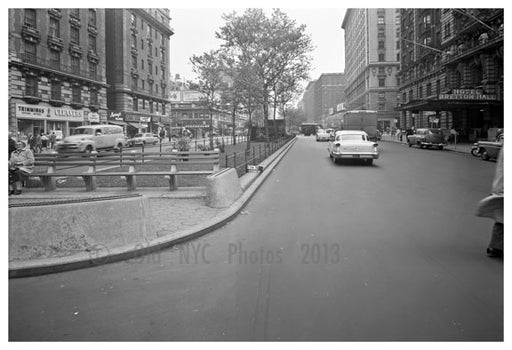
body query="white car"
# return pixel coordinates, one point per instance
(143, 139)
(353, 144)
(322, 135)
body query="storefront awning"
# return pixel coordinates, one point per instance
(117, 122)
(138, 125)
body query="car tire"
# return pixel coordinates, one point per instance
(88, 149)
(440, 148)
(485, 155)
(369, 161)
(409, 143)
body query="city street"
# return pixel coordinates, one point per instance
(323, 251)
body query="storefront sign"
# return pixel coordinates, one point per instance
(93, 117)
(49, 113)
(31, 111)
(468, 94)
(116, 116)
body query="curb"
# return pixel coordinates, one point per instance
(95, 258)
(445, 148)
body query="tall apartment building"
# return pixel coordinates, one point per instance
(323, 95)
(372, 48)
(56, 70)
(137, 58)
(451, 70)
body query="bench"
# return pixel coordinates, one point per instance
(61, 165)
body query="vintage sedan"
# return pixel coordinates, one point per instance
(322, 135)
(491, 149)
(143, 139)
(353, 144)
(427, 138)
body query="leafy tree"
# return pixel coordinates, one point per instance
(210, 83)
(270, 47)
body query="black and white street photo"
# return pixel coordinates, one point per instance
(255, 173)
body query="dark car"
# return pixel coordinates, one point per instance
(427, 138)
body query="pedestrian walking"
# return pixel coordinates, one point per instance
(39, 143)
(53, 139)
(12, 145)
(21, 165)
(492, 207)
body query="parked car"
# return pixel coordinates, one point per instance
(332, 133)
(90, 138)
(143, 139)
(427, 138)
(491, 149)
(353, 144)
(322, 135)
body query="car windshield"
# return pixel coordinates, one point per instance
(435, 131)
(83, 131)
(138, 135)
(351, 137)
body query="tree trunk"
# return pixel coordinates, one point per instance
(233, 116)
(265, 116)
(274, 117)
(249, 131)
(211, 130)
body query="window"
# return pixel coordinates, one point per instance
(75, 12)
(134, 62)
(438, 87)
(382, 70)
(156, 52)
(94, 98)
(135, 106)
(429, 89)
(75, 35)
(142, 44)
(163, 72)
(163, 108)
(411, 95)
(92, 17)
(134, 41)
(143, 87)
(150, 67)
(92, 43)
(381, 57)
(31, 85)
(30, 52)
(420, 92)
(30, 18)
(141, 64)
(141, 24)
(398, 45)
(381, 107)
(150, 48)
(56, 90)
(150, 106)
(134, 83)
(382, 96)
(381, 44)
(93, 70)
(143, 102)
(76, 93)
(55, 59)
(156, 86)
(382, 82)
(398, 57)
(380, 20)
(75, 65)
(150, 88)
(134, 20)
(447, 30)
(54, 27)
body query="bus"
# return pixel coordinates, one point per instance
(309, 128)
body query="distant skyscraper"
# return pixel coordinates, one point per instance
(372, 39)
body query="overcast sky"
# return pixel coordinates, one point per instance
(194, 33)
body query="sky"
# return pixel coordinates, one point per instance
(194, 33)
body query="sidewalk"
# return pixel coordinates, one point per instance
(175, 217)
(460, 147)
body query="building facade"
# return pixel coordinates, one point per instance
(451, 70)
(137, 61)
(57, 70)
(322, 96)
(372, 47)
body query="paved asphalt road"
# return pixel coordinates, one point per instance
(323, 251)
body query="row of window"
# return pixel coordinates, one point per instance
(32, 89)
(152, 106)
(149, 30)
(153, 88)
(150, 66)
(420, 91)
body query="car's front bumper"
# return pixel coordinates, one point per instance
(355, 155)
(426, 143)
